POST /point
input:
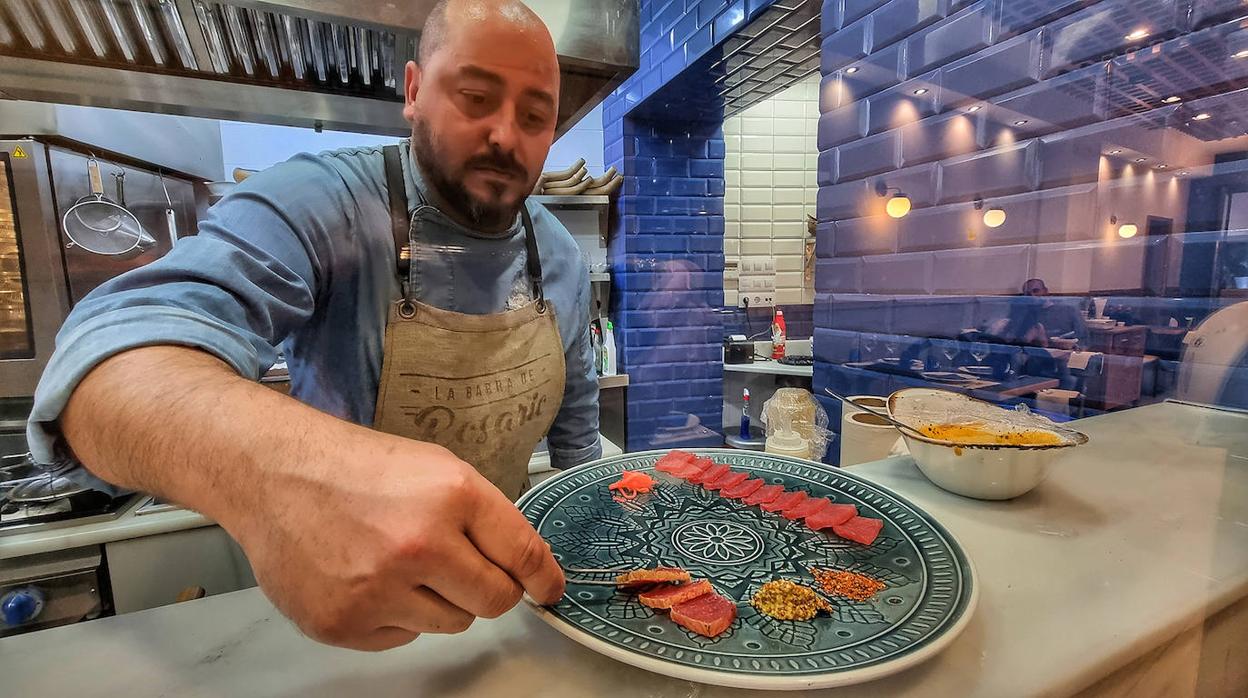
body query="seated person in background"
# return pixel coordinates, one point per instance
(1059, 319)
(1022, 327)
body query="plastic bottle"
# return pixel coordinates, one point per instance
(778, 335)
(610, 364)
(21, 605)
(745, 414)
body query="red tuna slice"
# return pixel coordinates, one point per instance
(785, 501)
(674, 462)
(669, 595)
(831, 515)
(742, 490)
(710, 474)
(732, 479)
(810, 507)
(709, 614)
(859, 529)
(766, 494)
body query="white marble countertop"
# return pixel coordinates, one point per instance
(1136, 537)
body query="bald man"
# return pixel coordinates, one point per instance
(414, 291)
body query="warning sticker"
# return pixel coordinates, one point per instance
(19, 154)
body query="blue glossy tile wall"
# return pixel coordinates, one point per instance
(667, 249)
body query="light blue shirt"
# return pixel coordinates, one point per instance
(301, 255)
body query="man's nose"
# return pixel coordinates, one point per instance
(503, 132)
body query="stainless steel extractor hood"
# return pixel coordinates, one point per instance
(334, 64)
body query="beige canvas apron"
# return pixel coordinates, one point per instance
(486, 387)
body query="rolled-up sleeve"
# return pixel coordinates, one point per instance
(573, 438)
(236, 290)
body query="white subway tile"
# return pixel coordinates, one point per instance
(757, 161)
(732, 195)
(793, 246)
(732, 143)
(730, 298)
(793, 229)
(732, 213)
(732, 160)
(790, 179)
(756, 229)
(760, 195)
(789, 279)
(756, 126)
(732, 126)
(732, 228)
(788, 296)
(753, 247)
(732, 178)
(755, 212)
(795, 109)
(756, 144)
(790, 127)
(789, 213)
(790, 144)
(763, 109)
(785, 195)
(790, 161)
(787, 262)
(751, 178)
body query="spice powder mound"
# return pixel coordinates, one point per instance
(785, 600)
(851, 585)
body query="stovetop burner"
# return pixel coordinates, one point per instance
(32, 494)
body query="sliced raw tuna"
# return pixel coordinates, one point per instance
(765, 494)
(859, 529)
(785, 501)
(742, 490)
(831, 515)
(709, 614)
(712, 473)
(732, 479)
(810, 507)
(674, 461)
(669, 595)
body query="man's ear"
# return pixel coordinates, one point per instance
(412, 76)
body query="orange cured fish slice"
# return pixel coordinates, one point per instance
(658, 575)
(742, 490)
(668, 595)
(765, 494)
(730, 479)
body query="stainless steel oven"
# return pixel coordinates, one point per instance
(41, 275)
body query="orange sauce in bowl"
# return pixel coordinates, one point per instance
(979, 435)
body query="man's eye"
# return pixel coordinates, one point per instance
(474, 97)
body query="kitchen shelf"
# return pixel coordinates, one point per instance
(608, 382)
(578, 202)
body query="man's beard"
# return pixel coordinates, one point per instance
(486, 215)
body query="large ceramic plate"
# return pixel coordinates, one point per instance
(929, 599)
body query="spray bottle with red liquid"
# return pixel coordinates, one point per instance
(778, 334)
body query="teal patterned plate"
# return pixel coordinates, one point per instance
(929, 599)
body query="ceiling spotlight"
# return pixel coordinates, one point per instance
(851, 71)
(975, 108)
(1115, 152)
(1021, 122)
(993, 217)
(1137, 35)
(898, 205)
(920, 92)
(1162, 167)
(1240, 54)
(1141, 159)
(1172, 99)
(1184, 174)
(1203, 116)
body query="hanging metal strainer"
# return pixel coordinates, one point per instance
(99, 225)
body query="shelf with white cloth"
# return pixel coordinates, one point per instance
(540, 462)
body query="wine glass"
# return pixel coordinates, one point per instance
(890, 347)
(868, 344)
(979, 352)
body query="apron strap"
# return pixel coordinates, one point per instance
(396, 183)
(533, 261)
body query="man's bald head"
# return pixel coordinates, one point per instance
(465, 13)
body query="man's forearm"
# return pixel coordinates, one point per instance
(179, 423)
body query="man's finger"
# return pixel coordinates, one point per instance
(504, 536)
(424, 611)
(466, 579)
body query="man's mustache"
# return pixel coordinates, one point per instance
(498, 161)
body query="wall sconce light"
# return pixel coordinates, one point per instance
(852, 69)
(1203, 116)
(1022, 122)
(898, 205)
(920, 92)
(1137, 35)
(1126, 231)
(993, 217)
(1172, 99)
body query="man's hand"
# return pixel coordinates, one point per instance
(364, 539)
(403, 539)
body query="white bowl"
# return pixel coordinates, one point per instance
(978, 471)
